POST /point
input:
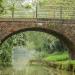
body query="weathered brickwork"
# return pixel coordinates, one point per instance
(63, 29)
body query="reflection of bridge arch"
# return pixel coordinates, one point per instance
(64, 32)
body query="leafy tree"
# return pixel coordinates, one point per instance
(1, 7)
(27, 5)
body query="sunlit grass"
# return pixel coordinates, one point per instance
(58, 57)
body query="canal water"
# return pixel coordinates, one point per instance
(34, 70)
(21, 65)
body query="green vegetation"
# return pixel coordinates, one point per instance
(45, 9)
(58, 57)
(61, 61)
(47, 47)
(28, 6)
(1, 7)
(43, 43)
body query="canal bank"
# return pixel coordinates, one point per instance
(61, 65)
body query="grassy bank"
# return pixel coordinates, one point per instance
(61, 61)
(57, 57)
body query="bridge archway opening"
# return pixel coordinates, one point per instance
(61, 37)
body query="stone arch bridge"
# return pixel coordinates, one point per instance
(64, 29)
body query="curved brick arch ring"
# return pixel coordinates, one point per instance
(64, 39)
(63, 29)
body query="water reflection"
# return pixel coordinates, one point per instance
(20, 65)
(34, 70)
(21, 56)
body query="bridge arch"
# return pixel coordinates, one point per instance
(62, 37)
